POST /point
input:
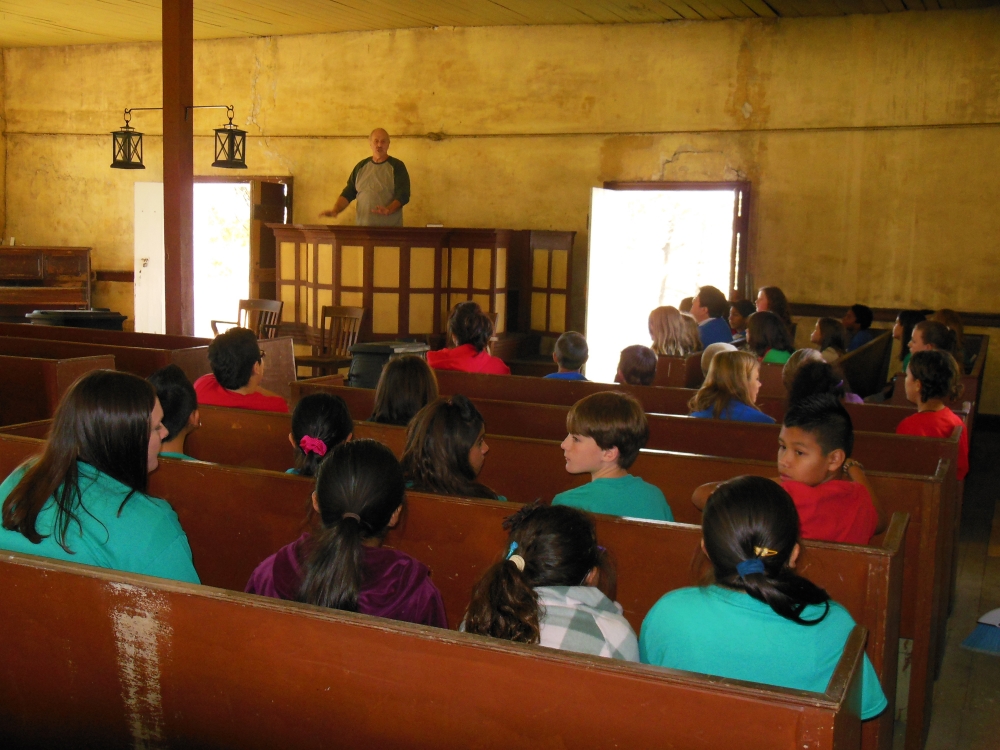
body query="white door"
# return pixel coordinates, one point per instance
(650, 248)
(150, 311)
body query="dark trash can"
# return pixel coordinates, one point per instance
(368, 359)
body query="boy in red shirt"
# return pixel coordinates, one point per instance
(931, 377)
(237, 371)
(834, 499)
(831, 493)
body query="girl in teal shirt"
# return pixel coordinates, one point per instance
(759, 621)
(84, 499)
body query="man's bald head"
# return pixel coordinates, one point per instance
(379, 142)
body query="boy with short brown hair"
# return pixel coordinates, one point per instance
(606, 432)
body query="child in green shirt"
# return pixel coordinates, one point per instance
(606, 432)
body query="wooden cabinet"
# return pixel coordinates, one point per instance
(409, 278)
(38, 278)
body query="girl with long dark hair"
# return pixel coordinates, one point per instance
(360, 495)
(755, 618)
(84, 499)
(554, 587)
(446, 449)
(406, 386)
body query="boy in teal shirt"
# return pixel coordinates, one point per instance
(606, 432)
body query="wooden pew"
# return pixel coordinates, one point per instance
(772, 386)
(679, 372)
(235, 518)
(140, 361)
(672, 401)
(33, 386)
(524, 470)
(141, 353)
(867, 366)
(132, 664)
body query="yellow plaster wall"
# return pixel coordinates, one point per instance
(869, 140)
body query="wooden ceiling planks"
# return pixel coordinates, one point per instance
(25, 23)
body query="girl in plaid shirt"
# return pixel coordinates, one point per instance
(555, 588)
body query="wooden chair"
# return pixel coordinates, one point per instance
(336, 339)
(259, 315)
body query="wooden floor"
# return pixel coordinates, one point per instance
(966, 710)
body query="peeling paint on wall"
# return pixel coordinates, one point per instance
(140, 636)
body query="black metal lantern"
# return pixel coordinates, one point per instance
(230, 146)
(126, 147)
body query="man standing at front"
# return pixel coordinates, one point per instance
(381, 185)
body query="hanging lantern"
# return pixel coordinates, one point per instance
(230, 146)
(126, 147)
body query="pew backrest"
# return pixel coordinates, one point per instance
(867, 367)
(33, 386)
(670, 401)
(133, 664)
(679, 372)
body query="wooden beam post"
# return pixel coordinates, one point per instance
(178, 165)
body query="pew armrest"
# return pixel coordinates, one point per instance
(217, 323)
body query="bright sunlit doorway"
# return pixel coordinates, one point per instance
(222, 213)
(653, 244)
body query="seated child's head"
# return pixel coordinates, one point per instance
(671, 332)
(709, 354)
(571, 352)
(548, 546)
(816, 378)
(765, 330)
(178, 399)
(739, 312)
(830, 333)
(815, 440)
(637, 366)
(685, 305)
(446, 448)
(750, 532)
(406, 386)
(953, 320)
(468, 324)
(235, 358)
(360, 494)
(607, 428)
(320, 422)
(902, 329)
(732, 376)
(858, 318)
(929, 334)
(932, 375)
(798, 358)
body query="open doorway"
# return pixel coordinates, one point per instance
(653, 244)
(222, 213)
(234, 249)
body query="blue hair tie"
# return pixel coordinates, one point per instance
(511, 550)
(749, 567)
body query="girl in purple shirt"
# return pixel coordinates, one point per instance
(360, 495)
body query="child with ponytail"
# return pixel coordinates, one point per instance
(553, 588)
(320, 422)
(360, 495)
(756, 619)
